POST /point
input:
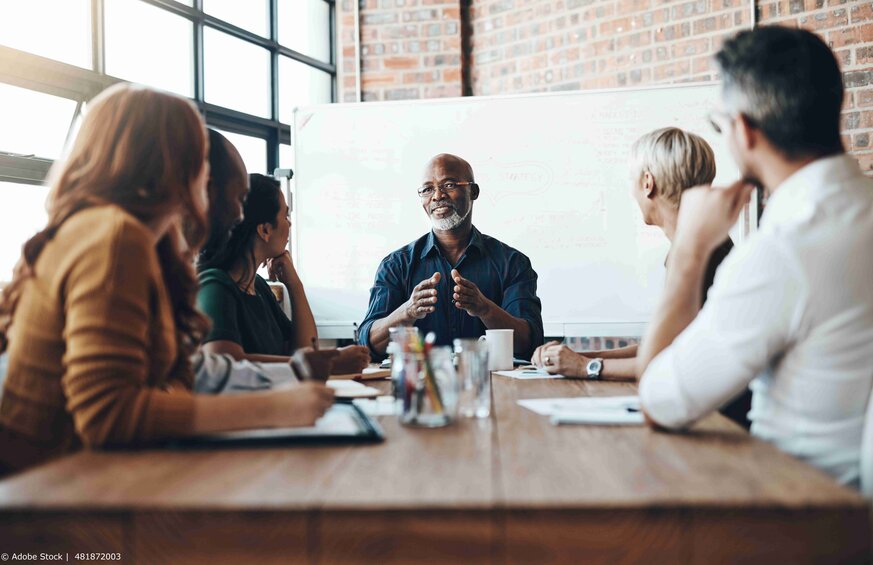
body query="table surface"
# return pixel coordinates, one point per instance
(514, 460)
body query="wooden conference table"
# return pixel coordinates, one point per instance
(510, 489)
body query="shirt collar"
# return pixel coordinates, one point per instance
(800, 194)
(430, 243)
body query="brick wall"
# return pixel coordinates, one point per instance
(413, 48)
(409, 49)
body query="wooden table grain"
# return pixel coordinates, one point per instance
(509, 489)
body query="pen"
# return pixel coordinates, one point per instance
(355, 331)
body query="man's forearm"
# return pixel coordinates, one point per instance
(498, 318)
(379, 335)
(679, 304)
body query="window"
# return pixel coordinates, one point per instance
(57, 29)
(286, 156)
(135, 52)
(252, 149)
(34, 123)
(219, 53)
(301, 85)
(252, 15)
(19, 222)
(237, 73)
(304, 26)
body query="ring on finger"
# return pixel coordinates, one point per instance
(547, 360)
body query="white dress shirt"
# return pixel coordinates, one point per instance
(791, 312)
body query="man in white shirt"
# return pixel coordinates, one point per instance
(791, 311)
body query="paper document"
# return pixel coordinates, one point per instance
(588, 409)
(528, 374)
(352, 389)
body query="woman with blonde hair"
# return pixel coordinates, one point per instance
(664, 163)
(100, 317)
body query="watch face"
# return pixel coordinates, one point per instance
(594, 367)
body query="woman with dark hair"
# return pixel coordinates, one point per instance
(100, 317)
(247, 322)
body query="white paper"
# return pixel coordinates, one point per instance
(352, 389)
(581, 404)
(382, 406)
(525, 374)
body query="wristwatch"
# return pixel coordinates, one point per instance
(594, 367)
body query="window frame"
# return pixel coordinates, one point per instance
(37, 73)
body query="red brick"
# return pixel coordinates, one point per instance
(402, 62)
(862, 12)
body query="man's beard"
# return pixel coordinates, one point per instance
(450, 222)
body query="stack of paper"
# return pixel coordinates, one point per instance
(610, 410)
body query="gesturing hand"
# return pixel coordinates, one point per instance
(311, 364)
(423, 299)
(468, 297)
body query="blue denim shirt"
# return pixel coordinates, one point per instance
(503, 274)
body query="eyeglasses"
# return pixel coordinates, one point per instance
(446, 187)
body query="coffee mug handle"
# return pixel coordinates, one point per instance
(482, 338)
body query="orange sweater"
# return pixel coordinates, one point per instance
(92, 345)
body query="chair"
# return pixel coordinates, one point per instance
(280, 291)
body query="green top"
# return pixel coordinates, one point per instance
(256, 322)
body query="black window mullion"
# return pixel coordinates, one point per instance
(273, 139)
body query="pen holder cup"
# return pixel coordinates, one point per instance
(425, 387)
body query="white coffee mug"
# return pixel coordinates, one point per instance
(499, 349)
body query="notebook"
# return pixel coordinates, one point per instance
(343, 422)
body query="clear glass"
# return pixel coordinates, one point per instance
(252, 149)
(304, 26)
(403, 339)
(34, 123)
(22, 214)
(425, 387)
(135, 52)
(57, 29)
(251, 15)
(237, 73)
(474, 378)
(301, 85)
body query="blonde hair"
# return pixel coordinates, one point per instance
(140, 150)
(676, 158)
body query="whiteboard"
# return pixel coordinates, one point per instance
(554, 179)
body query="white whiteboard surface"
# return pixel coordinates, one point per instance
(554, 178)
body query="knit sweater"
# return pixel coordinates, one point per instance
(92, 346)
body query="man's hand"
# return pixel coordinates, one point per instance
(558, 359)
(351, 359)
(423, 299)
(707, 214)
(468, 297)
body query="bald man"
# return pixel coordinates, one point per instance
(454, 280)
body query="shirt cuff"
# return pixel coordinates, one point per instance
(660, 394)
(278, 373)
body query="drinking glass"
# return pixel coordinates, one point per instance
(474, 378)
